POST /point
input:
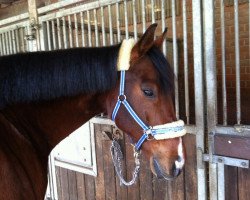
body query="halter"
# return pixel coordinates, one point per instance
(159, 132)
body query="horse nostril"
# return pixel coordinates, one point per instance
(176, 170)
(179, 159)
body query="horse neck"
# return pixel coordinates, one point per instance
(46, 124)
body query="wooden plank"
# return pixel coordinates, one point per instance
(160, 187)
(109, 173)
(133, 191)
(190, 168)
(80, 184)
(176, 188)
(90, 187)
(146, 191)
(121, 191)
(231, 183)
(232, 146)
(64, 184)
(72, 184)
(244, 183)
(99, 181)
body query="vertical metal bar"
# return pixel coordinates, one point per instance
(23, 43)
(103, 28)
(17, 40)
(118, 22)
(26, 33)
(153, 10)
(52, 176)
(186, 69)
(10, 42)
(135, 20)
(50, 180)
(89, 29)
(1, 45)
(53, 35)
(221, 181)
(70, 32)
(96, 29)
(82, 30)
(7, 43)
(175, 55)
(126, 19)
(33, 17)
(237, 60)
(199, 97)
(65, 34)
(59, 33)
(42, 39)
(48, 35)
(211, 88)
(4, 46)
(163, 25)
(143, 15)
(76, 30)
(32, 42)
(13, 41)
(223, 54)
(110, 25)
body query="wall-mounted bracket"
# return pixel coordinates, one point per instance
(227, 161)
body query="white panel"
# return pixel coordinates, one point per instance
(77, 151)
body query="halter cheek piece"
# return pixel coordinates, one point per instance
(159, 132)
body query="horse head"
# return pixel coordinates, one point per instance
(149, 90)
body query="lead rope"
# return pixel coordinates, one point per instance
(117, 156)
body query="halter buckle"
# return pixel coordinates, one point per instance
(148, 132)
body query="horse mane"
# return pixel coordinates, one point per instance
(47, 75)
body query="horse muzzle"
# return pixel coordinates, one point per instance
(162, 173)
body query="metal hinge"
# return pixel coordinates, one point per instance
(227, 161)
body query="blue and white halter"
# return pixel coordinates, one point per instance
(159, 132)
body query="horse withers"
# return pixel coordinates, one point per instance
(45, 96)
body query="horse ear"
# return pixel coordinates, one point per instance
(159, 41)
(145, 43)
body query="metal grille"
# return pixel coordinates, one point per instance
(14, 40)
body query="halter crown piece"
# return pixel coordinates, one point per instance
(159, 132)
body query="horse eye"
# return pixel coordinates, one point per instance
(148, 93)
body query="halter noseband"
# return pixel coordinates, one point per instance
(159, 132)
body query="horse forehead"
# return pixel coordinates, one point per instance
(145, 68)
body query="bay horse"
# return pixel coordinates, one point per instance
(45, 96)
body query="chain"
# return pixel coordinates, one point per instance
(117, 156)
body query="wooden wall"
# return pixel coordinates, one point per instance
(237, 183)
(77, 186)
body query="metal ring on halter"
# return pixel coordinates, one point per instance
(122, 97)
